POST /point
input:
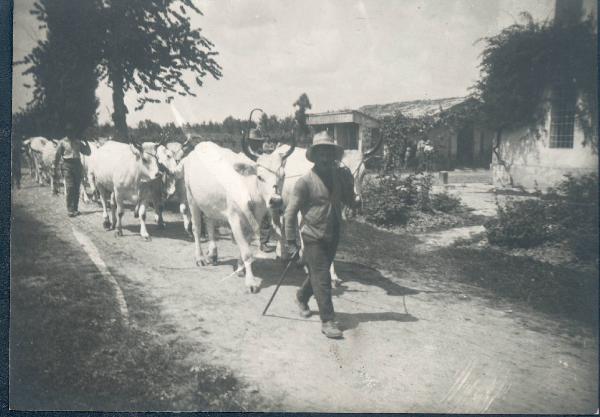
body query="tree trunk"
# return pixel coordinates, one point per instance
(119, 115)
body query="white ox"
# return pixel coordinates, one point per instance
(297, 165)
(156, 190)
(86, 183)
(179, 152)
(228, 186)
(116, 170)
(41, 152)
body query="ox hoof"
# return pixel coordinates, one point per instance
(136, 214)
(146, 238)
(106, 225)
(336, 282)
(200, 262)
(190, 238)
(118, 233)
(254, 289)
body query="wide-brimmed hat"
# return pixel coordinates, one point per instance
(322, 140)
(255, 134)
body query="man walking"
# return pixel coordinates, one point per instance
(69, 149)
(319, 196)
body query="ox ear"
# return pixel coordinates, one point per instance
(244, 169)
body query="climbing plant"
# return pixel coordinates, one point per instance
(521, 65)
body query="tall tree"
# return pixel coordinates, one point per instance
(302, 103)
(146, 46)
(63, 67)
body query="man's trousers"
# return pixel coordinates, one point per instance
(72, 172)
(318, 257)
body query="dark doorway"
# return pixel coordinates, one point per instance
(464, 146)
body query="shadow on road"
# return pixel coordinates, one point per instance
(351, 321)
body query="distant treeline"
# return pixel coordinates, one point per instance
(227, 133)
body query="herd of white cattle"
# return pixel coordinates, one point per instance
(208, 181)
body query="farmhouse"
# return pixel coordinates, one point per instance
(539, 158)
(350, 128)
(458, 141)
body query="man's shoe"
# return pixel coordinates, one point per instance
(71, 214)
(266, 248)
(303, 308)
(330, 329)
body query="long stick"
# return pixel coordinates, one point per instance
(278, 285)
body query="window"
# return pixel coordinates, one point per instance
(562, 118)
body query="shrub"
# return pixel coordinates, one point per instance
(520, 224)
(568, 213)
(382, 205)
(389, 199)
(573, 210)
(445, 203)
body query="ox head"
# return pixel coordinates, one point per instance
(147, 162)
(269, 169)
(355, 161)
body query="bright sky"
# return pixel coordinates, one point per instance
(342, 53)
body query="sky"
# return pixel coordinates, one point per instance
(342, 53)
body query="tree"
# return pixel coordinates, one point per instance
(146, 45)
(302, 103)
(63, 67)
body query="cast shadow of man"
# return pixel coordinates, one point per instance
(270, 271)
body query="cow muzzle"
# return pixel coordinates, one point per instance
(276, 202)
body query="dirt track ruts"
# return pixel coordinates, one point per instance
(408, 346)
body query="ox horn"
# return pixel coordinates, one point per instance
(136, 146)
(246, 148)
(371, 152)
(292, 147)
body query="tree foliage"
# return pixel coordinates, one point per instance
(525, 61)
(63, 67)
(147, 45)
(140, 45)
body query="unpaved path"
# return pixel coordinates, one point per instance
(409, 346)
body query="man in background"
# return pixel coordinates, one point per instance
(69, 150)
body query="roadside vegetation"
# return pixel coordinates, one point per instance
(566, 214)
(407, 202)
(70, 348)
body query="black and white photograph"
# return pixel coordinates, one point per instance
(334, 206)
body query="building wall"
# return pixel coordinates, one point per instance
(531, 163)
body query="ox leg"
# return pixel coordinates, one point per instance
(113, 212)
(136, 209)
(158, 213)
(36, 168)
(187, 224)
(243, 242)
(105, 200)
(213, 254)
(196, 227)
(335, 280)
(279, 225)
(142, 214)
(83, 195)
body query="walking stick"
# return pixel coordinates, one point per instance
(279, 284)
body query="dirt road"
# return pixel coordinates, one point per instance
(411, 344)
